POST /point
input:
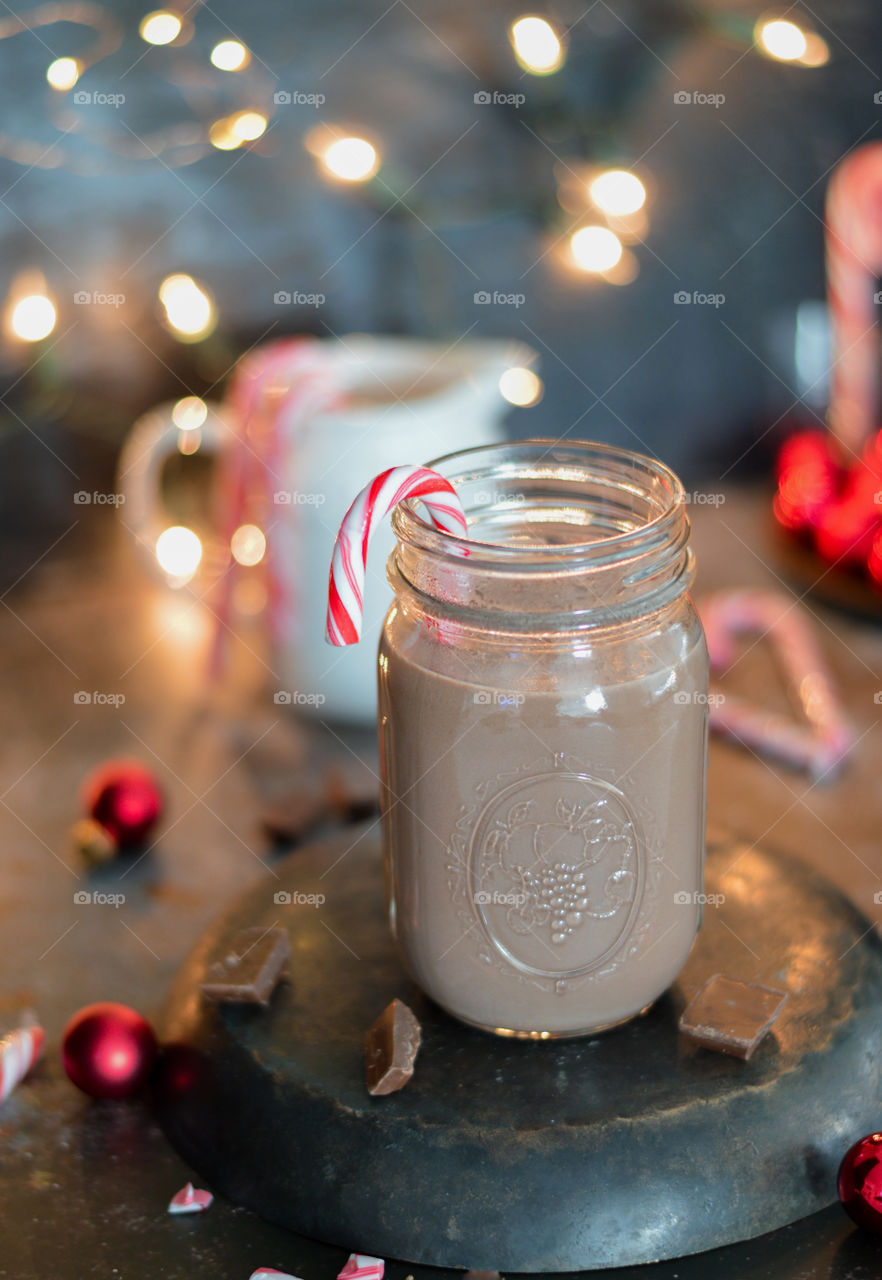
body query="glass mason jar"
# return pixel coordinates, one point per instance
(543, 736)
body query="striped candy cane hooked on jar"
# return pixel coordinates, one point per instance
(373, 504)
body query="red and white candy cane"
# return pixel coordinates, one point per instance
(825, 738)
(190, 1199)
(361, 1267)
(274, 392)
(349, 561)
(854, 263)
(18, 1053)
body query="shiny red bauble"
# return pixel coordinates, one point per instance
(108, 1050)
(125, 798)
(860, 1182)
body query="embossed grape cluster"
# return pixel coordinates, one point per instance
(560, 890)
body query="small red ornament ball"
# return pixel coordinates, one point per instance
(124, 797)
(860, 1182)
(108, 1050)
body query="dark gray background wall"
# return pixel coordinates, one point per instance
(735, 208)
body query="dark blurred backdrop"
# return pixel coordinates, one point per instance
(108, 196)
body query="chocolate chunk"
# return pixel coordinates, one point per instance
(293, 817)
(482, 1275)
(730, 1016)
(250, 969)
(390, 1049)
(353, 792)
(348, 792)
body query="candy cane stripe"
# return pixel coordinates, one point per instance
(854, 260)
(18, 1053)
(825, 738)
(370, 506)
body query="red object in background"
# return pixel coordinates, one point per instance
(836, 509)
(108, 1050)
(808, 479)
(860, 1182)
(124, 797)
(874, 560)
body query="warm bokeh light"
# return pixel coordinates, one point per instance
(351, 159)
(247, 126)
(189, 413)
(595, 248)
(179, 551)
(189, 442)
(230, 55)
(63, 73)
(781, 39)
(221, 136)
(817, 51)
(185, 630)
(521, 387)
(617, 192)
(536, 45)
(248, 545)
(31, 318)
(230, 132)
(160, 27)
(189, 309)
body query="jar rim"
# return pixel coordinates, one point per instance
(625, 469)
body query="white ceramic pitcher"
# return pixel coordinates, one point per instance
(404, 401)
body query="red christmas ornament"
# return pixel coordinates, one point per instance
(108, 1050)
(833, 505)
(860, 1182)
(124, 797)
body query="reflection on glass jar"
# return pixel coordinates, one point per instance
(543, 735)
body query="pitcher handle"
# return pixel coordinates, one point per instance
(153, 439)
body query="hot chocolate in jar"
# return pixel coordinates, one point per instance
(543, 737)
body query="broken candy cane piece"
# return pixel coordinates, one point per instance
(190, 1199)
(18, 1053)
(823, 740)
(264, 1273)
(360, 1267)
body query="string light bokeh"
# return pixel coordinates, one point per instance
(160, 27)
(189, 310)
(604, 209)
(537, 45)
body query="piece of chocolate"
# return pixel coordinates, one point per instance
(482, 1275)
(348, 792)
(291, 818)
(390, 1049)
(730, 1016)
(353, 792)
(250, 968)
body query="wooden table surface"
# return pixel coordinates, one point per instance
(84, 1185)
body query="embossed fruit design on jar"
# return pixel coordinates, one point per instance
(543, 735)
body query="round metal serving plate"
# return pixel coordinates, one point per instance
(623, 1148)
